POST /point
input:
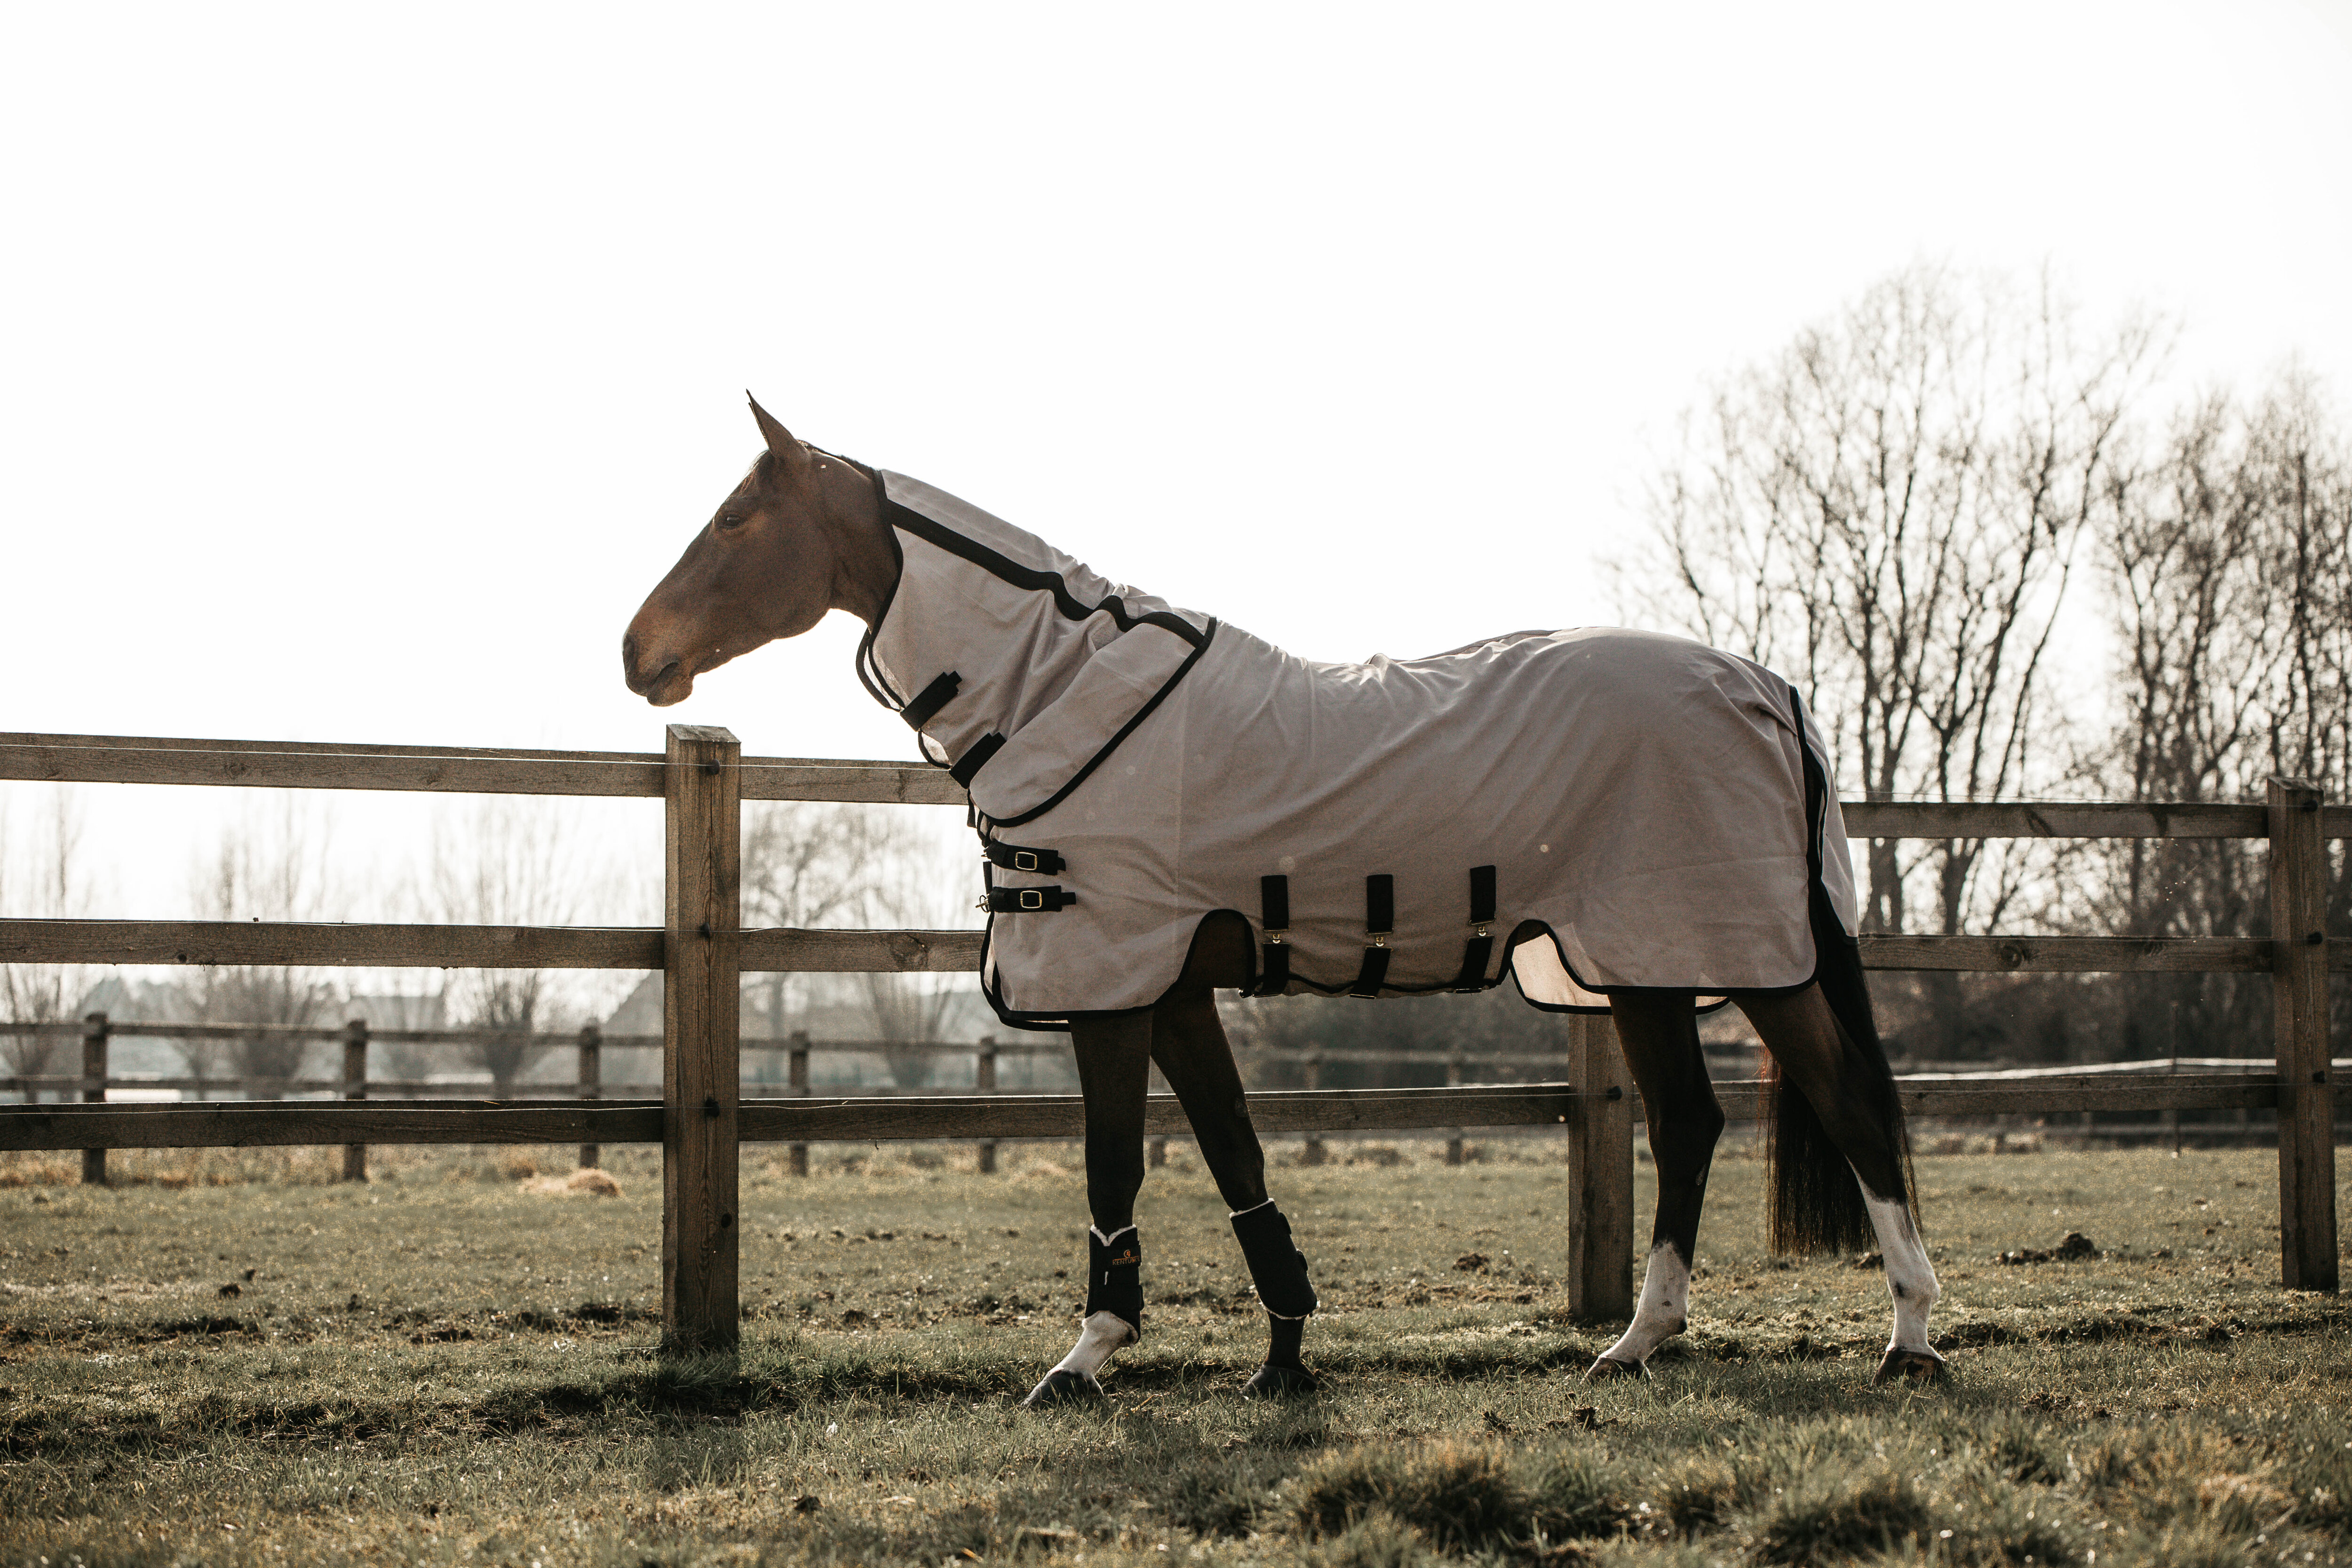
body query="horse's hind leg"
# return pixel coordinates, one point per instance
(1188, 1040)
(1660, 1035)
(1849, 1095)
(1114, 1055)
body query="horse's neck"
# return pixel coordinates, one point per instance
(865, 557)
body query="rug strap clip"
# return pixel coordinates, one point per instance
(1274, 965)
(1480, 949)
(1021, 857)
(1379, 924)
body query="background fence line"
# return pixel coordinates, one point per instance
(702, 1117)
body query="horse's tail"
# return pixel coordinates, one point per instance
(1816, 1203)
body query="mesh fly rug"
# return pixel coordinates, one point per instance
(1581, 810)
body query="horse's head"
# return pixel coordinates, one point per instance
(799, 536)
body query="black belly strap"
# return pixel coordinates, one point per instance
(1273, 964)
(1380, 923)
(1029, 900)
(1480, 948)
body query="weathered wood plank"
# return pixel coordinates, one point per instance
(2306, 1120)
(243, 1123)
(473, 770)
(355, 945)
(787, 950)
(1742, 1101)
(702, 997)
(2069, 954)
(2048, 819)
(294, 764)
(876, 784)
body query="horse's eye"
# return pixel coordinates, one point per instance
(731, 520)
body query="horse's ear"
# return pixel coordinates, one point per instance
(790, 455)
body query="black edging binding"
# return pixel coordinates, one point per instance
(1152, 703)
(933, 531)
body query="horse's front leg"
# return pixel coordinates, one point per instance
(1114, 1056)
(1189, 1042)
(1660, 1036)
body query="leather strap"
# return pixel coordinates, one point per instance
(972, 761)
(931, 700)
(1380, 923)
(1480, 949)
(1029, 900)
(1273, 966)
(1021, 857)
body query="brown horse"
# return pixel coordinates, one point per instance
(807, 532)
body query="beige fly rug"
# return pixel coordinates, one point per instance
(1581, 810)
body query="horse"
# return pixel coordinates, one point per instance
(1178, 764)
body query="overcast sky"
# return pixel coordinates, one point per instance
(363, 370)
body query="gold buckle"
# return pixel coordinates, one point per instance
(1033, 898)
(1024, 859)
(1480, 928)
(1377, 937)
(1276, 938)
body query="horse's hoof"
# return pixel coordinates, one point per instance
(1272, 1382)
(1061, 1387)
(1606, 1368)
(1910, 1365)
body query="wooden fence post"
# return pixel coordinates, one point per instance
(592, 1083)
(1454, 1081)
(796, 1077)
(95, 1034)
(1600, 1175)
(701, 1065)
(1313, 1152)
(2306, 1110)
(355, 1048)
(983, 1081)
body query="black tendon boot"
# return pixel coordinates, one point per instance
(1279, 1272)
(1115, 1286)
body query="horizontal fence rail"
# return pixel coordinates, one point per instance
(786, 949)
(288, 764)
(962, 1117)
(702, 778)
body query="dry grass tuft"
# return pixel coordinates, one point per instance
(589, 1183)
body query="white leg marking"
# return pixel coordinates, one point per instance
(1100, 1334)
(1910, 1278)
(1664, 1307)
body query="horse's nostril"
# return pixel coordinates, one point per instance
(629, 650)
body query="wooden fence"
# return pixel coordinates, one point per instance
(701, 1118)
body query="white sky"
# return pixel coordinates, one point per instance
(361, 371)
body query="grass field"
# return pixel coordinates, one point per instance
(229, 1359)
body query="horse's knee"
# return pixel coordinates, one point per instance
(1684, 1140)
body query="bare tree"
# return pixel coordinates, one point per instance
(821, 864)
(513, 861)
(42, 878)
(1889, 512)
(2230, 558)
(269, 865)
